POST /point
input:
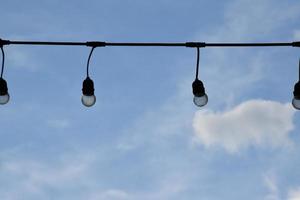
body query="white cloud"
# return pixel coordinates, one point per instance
(59, 123)
(294, 194)
(252, 123)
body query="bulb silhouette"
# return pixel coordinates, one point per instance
(200, 97)
(88, 97)
(88, 101)
(200, 101)
(4, 96)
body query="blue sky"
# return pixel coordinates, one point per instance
(144, 138)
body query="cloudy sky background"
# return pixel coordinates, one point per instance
(144, 138)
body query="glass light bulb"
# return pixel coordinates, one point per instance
(296, 103)
(200, 101)
(4, 99)
(88, 101)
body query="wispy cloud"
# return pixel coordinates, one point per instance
(113, 194)
(31, 178)
(22, 60)
(271, 183)
(297, 35)
(255, 19)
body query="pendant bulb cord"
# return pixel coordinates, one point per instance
(88, 63)
(198, 60)
(3, 59)
(299, 69)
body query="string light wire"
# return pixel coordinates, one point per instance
(200, 97)
(3, 60)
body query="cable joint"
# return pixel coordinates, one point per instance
(95, 44)
(296, 44)
(195, 44)
(4, 42)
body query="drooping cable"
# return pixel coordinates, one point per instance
(88, 62)
(3, 60)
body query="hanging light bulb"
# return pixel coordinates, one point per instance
(200, 98)
(88, 98)
(4, 96)
(296, 99)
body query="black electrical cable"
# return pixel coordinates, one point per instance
(162, 44)
(3, 59)
(198, 60)
(88, 62)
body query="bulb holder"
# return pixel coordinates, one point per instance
(297, 91)
(3, 87)
(88, 87)
(198, 88)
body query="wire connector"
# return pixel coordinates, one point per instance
(4, 42)
(95, 44)
(195, 44)
(296, 44)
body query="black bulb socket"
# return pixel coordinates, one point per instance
(3, 87)
(88, 87)
(198, 88)
(297, 91)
